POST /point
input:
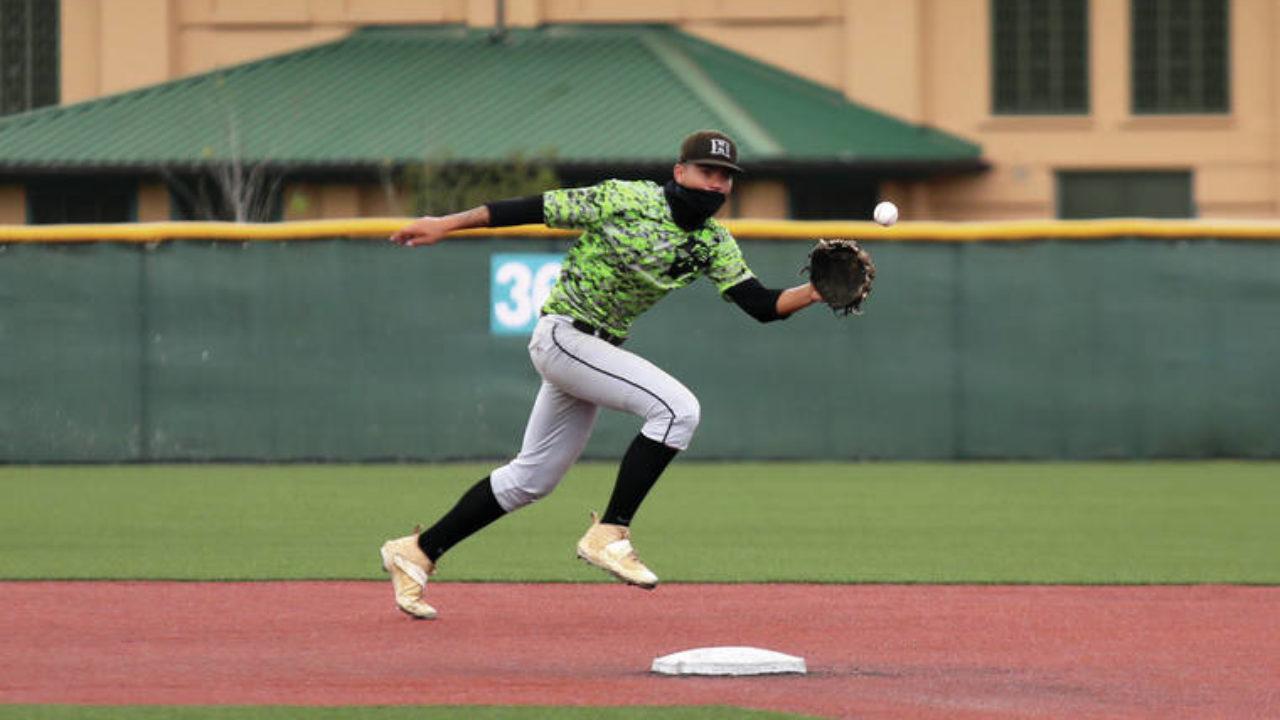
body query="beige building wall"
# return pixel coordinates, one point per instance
(1233, 156)
(153, 203)
(13, 205)
(925, 61)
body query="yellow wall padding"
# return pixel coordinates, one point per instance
(375, 228)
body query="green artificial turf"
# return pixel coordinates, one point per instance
(1163, 522)
(189, 712)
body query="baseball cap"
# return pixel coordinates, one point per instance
(710, 147)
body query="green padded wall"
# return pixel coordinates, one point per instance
(360, 350)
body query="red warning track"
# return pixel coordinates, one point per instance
(872, 651)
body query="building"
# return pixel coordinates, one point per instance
(955, 109)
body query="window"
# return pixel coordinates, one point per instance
(1040, 57)
(82, 200)
(1156, 194)
(832, 198)
(1180, 59)
(29, 50)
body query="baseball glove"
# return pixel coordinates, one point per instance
(842, 273)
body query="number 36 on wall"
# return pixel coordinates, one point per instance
(518, 285)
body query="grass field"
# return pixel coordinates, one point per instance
(1088, 523)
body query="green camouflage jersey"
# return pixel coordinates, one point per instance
(631, 253)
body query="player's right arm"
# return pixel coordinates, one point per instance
(430, 230)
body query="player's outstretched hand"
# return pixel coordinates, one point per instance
(423, 231)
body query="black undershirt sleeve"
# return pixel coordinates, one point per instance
(757, 300)
(517, 211)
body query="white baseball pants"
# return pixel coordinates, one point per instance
(581, 374)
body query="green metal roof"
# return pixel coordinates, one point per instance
(595, 95)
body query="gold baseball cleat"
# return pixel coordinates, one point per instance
(409, 568)
(608, 547)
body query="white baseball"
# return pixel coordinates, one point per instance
(886, 213)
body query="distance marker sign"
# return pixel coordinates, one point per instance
(518, 285)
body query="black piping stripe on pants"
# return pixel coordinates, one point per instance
(602, 371)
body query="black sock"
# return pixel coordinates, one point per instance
(641, 465)
(476, 509)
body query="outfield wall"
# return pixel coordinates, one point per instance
(1032, 340)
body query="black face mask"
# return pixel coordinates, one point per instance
(690, 207)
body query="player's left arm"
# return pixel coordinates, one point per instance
(766, 305)
(728, 270)
(797, 298)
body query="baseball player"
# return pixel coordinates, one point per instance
(640, 240)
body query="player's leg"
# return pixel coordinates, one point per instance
(473, 512)
(602, 374)
(557, 431)
(555, 436)
(592, 370)
(641, 466)
(607, 543)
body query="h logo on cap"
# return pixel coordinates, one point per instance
(710, 147)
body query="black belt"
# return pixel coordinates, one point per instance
(601, 333)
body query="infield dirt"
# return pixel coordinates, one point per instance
(873, 651)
